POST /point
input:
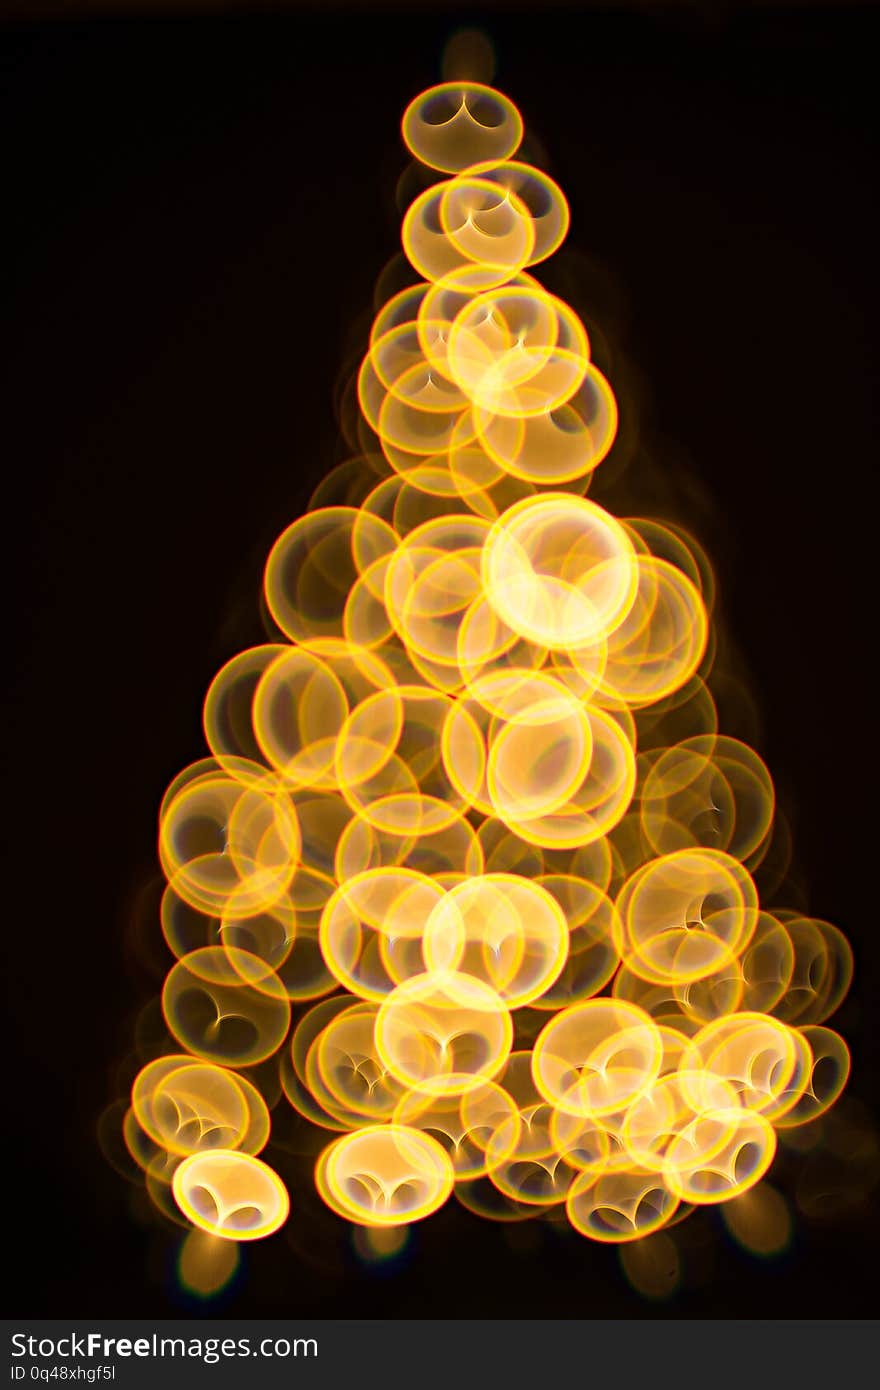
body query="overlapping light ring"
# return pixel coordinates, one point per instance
(385, 1175)
(231, 1194)
(469, 877)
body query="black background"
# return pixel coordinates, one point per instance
(198, 209)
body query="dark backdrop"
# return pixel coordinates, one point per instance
(197, 211)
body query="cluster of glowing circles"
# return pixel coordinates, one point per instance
(467, 876)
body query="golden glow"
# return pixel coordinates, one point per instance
(468, 880)
(231, 1195)
(385, 1175)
